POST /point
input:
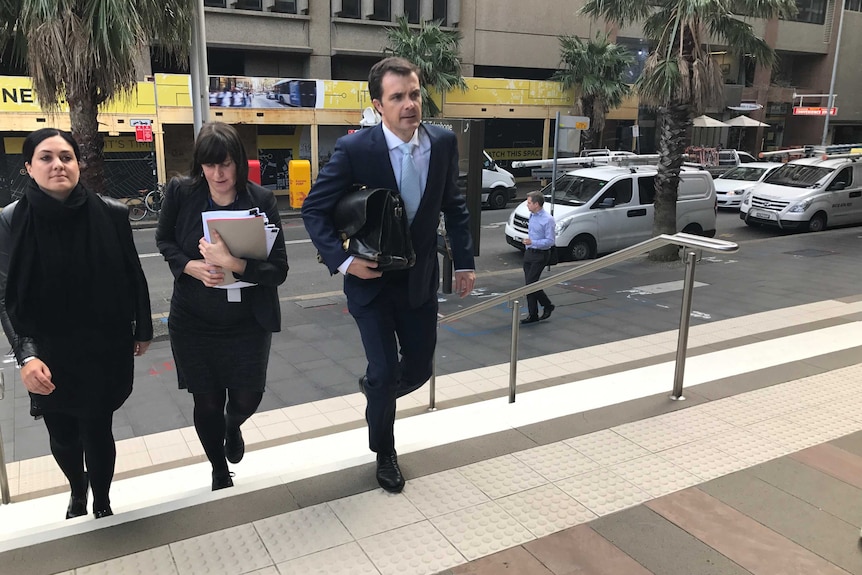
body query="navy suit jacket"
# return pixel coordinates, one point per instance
(363, 158)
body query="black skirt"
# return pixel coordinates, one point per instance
(216, 344)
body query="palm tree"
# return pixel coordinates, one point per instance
(85, 52)
(597, 67)
(437, 54)
(680, 79)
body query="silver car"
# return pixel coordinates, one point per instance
(731, 185)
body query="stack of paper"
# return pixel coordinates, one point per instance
(247, 234)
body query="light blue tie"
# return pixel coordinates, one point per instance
(411, 187)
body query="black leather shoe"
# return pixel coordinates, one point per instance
(234, 446)
(531, 319)
(389, 474)
(106, 512)
(222, 480)
(363, 381)
(77, 506)
(546, 313)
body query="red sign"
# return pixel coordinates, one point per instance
(813, 111)
(143, 133)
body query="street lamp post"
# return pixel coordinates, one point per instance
(198, 66)
(831, 100)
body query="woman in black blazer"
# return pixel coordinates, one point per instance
(75, 307)
(220, 347)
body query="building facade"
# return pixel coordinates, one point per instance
(300, 44)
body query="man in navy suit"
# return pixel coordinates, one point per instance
(399, 308)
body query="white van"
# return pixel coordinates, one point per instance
(602, 209)
(807, 194)
(498, 185)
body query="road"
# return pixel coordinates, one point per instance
(307, 277)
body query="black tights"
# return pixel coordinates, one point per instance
(211, 421)
(76, 439)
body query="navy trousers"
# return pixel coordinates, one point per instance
(399, 343)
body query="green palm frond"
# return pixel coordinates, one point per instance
(596, 68)
(436, 52)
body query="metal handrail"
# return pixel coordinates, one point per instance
(513, 297)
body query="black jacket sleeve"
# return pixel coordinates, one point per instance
(166, 232)
(21, 346)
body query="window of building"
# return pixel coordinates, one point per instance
(284, 6)
(811, 11)
(411, 11)
(440, 11)
(247, 5)
(350, 9)
(854, 5)
(381, 11)
(215, 3)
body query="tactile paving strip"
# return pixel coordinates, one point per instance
(603, 491)
(417, 549)
(347, 559)
(556, 461)
(301, 532)
(234, 550)
(158, 560)
(444, 492)
(481, 530)
(545, 510)
(502, 476)
(655, 475)
(373, 512)
(606, 447)
(745, 445)
(702, 460)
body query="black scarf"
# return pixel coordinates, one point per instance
(67, 269)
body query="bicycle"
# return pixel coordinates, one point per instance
(137, 206)
(153, 200)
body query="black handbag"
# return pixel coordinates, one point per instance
(372, 224)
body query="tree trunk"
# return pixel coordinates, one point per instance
(83, 112)
(674, 123)
(588, 135)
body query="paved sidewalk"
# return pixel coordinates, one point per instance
(637, 486)
(773, 364)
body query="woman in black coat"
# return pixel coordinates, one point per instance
(75, 306)
(220, 341)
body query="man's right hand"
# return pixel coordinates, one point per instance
(363, 269)
(37, 377)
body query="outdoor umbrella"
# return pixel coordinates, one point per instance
(745, 122)
(707, 122)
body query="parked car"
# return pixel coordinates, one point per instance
(603, 209)
(807, 194)
(731, 185)
(728, 159)
(498, 185)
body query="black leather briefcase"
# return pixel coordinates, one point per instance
(372, 223)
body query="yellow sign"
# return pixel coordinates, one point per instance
(512, 92)
(582, 125)
(509, 154)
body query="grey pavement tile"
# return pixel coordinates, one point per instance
(851, 443)
(661, 546)
(803, 523)
(812, 486)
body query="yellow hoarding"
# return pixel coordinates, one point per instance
(511, 92)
